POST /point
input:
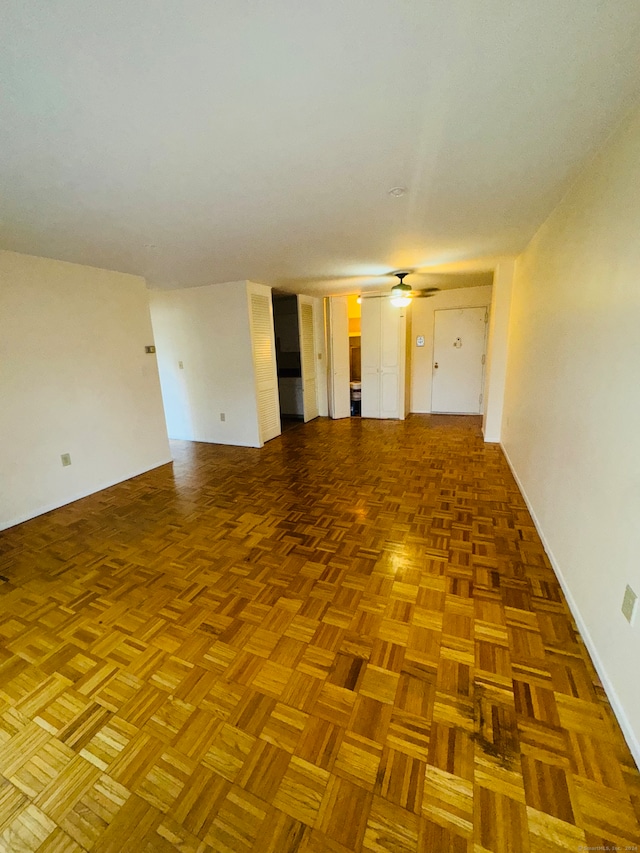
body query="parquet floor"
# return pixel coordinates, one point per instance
(349, 640)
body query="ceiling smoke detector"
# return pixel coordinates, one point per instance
(396, 192)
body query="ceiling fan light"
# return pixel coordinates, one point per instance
(400, 301)
(401, 292)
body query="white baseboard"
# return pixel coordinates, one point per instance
(627, 730)
(41, 510)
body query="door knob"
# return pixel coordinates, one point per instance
(436, 365)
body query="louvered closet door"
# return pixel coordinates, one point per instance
(264, 360)
(308, 358)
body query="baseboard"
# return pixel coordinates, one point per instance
(627, 730)
(212, 441)
(41, 510)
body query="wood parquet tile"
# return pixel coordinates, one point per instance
(350, 640)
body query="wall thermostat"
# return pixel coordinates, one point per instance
(420, 341)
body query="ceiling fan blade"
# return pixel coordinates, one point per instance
(416, 294)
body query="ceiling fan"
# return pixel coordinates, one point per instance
(401, 294)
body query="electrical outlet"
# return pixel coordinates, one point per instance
(66, 459)
(181, 365)
(629, 604)
(223, 417)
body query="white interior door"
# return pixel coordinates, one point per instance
(339, 397)
(264, 363)
(306, 326)
(370, 357)
(458, 360)
(392, 356)
(383, 359)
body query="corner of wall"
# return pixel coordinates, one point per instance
(101, 404)
(497, 350)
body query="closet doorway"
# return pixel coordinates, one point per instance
(294, 326)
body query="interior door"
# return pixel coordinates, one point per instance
(392, 355)
(339, 397)
(383, 359)
(264, 362)
(308, 357)
(458, 360)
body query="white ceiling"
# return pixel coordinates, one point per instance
(202, 141)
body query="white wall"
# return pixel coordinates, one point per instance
(497, 344)
(422, 320)
(74, 378)
(571, 424)
(207, 329)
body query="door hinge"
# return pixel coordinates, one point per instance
(486, 316)
(480, 399)
(483, 358)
